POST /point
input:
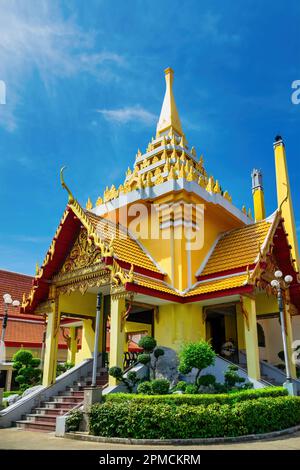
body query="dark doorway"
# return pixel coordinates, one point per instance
(217, 332)
(221, 330)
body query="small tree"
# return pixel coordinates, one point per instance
(148, 344)
(130, 381)
(28, 373)
(196, 356)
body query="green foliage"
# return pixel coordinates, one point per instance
(160, 386)
(145, 388)
(144, 358)
(147, 343)
(196, 356)
(199, 399)
(154, 387)
(191, 389)
(130, 380)
(149, 346)
(207, 380)
(168, 421)
(116, 372)
(62, 368)
(158, 352)
(15, 392)
(180, 386)
(26, 366)
(232, 378)
(233, 381)
(73, 420)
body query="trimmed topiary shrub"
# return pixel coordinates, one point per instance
(28, 373)
(180, 386)
(160, 386)
(149, 346)
(165, 421)
(144, 358)
(196, 356)
(147, 343)
(145, 388)
(207, 380)
(130, 381)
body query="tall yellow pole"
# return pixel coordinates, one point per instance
(258, 195)
(284, 197)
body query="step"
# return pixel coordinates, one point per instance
(51, 411)
(37, 417)
(35, 426)
(68, 398)
(56, 404)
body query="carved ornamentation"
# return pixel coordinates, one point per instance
(119, 276)
(82, 254)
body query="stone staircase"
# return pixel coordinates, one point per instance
(43, 417)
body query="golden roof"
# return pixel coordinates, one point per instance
(205, 287)
(237, 248)
(218, 285)
(124, 247)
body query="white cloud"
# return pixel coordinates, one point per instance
(128, 114)
(36, 38)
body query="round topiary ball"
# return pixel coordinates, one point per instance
(144, 388)
(158, 352)
(144, 358)
(116, 372)
(147, 343)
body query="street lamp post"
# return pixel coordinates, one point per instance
(279, 283)
(7, 302)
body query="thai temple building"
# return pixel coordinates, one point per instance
(173, 257)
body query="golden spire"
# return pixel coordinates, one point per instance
(169, 117)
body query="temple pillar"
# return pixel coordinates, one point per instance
(72, 347)
(117, 335)
(8, 379)
(87, 341)
(289, 340)
(250, 330)
(49, 369)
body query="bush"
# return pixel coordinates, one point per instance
(195, 400)
(155, 387)
(147, 343)
(165, 421)
(180, 386)
(145, 388)
(160, 386)
(144, 358)
(149, 346)
(196, 356)
(26, 366)
(191, 389)
(62, 368)
(130, 380)
(207, 380)
(73, 420)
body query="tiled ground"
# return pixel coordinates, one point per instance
(14, 438)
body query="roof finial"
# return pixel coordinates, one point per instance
(71, 197)
(169, 117)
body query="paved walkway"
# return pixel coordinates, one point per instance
(14, 438)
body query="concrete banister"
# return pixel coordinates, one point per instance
(23, 406)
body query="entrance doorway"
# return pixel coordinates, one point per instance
(221, 330)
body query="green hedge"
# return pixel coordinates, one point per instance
(200, 399)
(164, 421)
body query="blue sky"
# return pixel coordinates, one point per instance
(85, 86)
